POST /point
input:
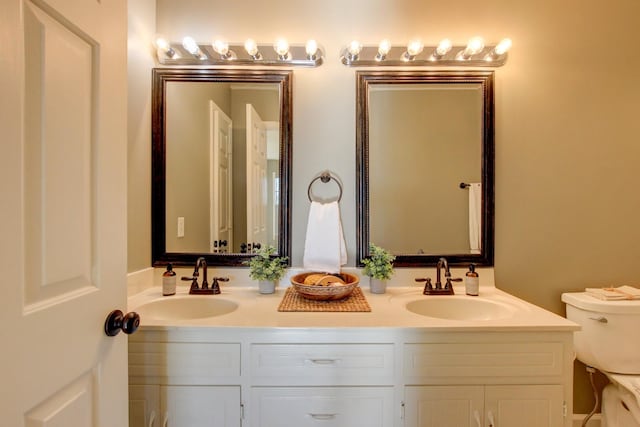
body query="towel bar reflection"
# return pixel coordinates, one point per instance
(324, 177)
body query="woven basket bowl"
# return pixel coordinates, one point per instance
(325, 293)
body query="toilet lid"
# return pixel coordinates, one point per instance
(587, 302)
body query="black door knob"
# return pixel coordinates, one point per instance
(118, 321)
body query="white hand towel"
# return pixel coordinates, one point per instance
(475, 217)
(613, 294)
(324, 247)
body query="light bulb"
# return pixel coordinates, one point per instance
(221, 47)
(474, 46)
(163, 45)
(251, 47)
(502, 47)
(443, 47)
(354, 48)
(281, 47)
(384, 47)
(311, 48)
(191, 46)
(414, 47)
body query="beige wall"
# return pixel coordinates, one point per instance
(567, 105)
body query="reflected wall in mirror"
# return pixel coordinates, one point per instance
(425, 160)
(221, 164)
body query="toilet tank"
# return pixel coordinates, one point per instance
(610, 335)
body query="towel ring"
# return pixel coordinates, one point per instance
(324, 177)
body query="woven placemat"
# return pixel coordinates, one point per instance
(293, 301)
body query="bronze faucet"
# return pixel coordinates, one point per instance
(438, 289)
(204, 289)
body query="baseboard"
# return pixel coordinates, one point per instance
(594, 421)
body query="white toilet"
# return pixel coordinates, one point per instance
(610, 342)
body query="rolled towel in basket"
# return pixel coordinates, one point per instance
(324, 247)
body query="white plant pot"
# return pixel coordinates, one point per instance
(266, 286)
(377, 286)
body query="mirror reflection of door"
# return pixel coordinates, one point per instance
(220, 190)
(256, 178)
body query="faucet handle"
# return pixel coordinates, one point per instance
(192, 279)
(427, 286)
(215, 287)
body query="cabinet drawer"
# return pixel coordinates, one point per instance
(322, 364)
(322, 406)
(485, 362)
(183, 363)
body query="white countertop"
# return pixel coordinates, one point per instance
(387, 311)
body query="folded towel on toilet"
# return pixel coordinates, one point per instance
(613, 294)
(324, 246)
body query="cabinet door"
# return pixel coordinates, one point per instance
(524, 406)
(144, 406)
(321, 406)
(200, 406)
(438, 406)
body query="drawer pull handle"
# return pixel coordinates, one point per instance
(324, 361)
(323, 417)
(600, 319)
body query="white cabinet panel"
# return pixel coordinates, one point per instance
(200, 406)
(322, 364)
(490, 406)
(438, 406)
(144, 406)
(322, 406)
(493, 362)
(184, 406)
(183, 363)
(524, 406)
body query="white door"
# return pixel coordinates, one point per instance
(256, 178)
(524, 406)
(63, 185)
(437, 406)
(221, 191)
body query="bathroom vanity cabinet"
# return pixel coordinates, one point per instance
(346, 377)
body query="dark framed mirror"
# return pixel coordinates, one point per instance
(425, 166)
(221, 164)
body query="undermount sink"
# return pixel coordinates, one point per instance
(186, 307)
(460, 308)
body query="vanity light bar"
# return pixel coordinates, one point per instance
(220, 52)
(474, 54)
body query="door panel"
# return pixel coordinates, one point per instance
(256, 177)
(63, 183)
(437, 406)
(221, 193)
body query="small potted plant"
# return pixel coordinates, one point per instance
(379, 267)
(267, 269)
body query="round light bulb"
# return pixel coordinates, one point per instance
(414, 47)
(384, 47)
(221, 47)
(281, 47)
(251, 47)
(444, 47)
(163, 44)
(190, 45)
(354, 48)
(311, 48)
(503, 47)
(474, 46)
